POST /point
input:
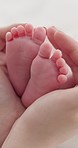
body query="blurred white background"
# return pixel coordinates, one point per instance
(60, 13)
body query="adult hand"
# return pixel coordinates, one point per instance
(68, 46)
(10, 105)
(47, 122)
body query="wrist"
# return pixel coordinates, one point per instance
(25, 135)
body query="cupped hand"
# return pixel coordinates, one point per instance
(51, 119)
(48, 122)
(68, 46)
(11, 107)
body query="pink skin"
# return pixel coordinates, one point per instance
(26, 51)
(68, 46)
(22, 45)
(47, 74)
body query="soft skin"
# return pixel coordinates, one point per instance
(50, 120)
(10, 105)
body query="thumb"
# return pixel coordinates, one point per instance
(68, 45)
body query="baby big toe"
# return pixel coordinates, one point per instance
(39, 35)
(45, 50)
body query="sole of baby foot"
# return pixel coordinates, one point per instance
(47, 74)
(22, 45)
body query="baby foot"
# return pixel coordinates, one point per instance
(69, 48)
(22, 45)
(47, 74)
